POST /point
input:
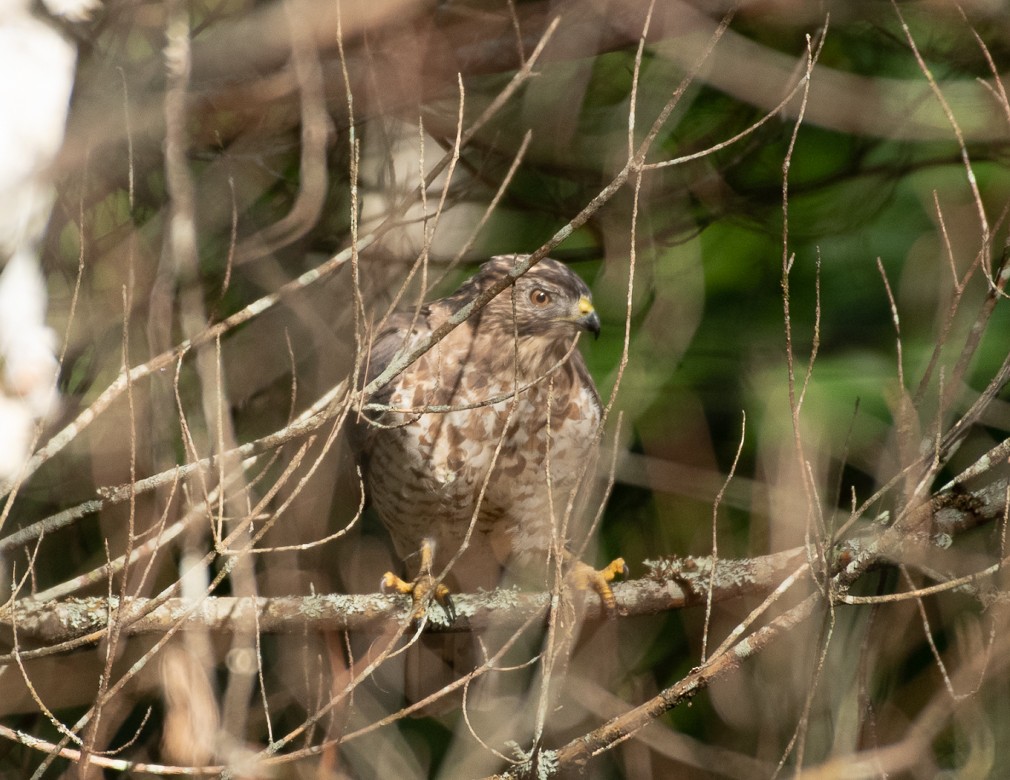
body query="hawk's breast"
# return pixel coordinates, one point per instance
(432, 471)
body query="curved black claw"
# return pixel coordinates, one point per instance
(447, 604)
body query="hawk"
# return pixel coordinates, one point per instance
(472, 453)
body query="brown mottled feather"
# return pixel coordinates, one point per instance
(424, 470)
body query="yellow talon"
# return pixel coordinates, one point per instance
(393, 584)
(422, 588)
(584, 577)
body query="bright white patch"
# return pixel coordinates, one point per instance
(36, 76)
(16, 428)
(25, 341)
(72, 10)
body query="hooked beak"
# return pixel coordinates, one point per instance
(588, 319)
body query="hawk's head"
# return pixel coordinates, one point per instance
(549, 301)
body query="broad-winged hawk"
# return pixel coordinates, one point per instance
(478, 445)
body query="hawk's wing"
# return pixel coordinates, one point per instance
(400, 329)
(415, 323)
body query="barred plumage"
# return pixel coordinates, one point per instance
(424, 469)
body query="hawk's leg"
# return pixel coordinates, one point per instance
(582, 576)
(423, 588)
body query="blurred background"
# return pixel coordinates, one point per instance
(215, 152)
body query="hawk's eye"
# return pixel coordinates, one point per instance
(540, 297)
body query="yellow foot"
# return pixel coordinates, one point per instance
(582, 576)
(420, 591)
(423, 588)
